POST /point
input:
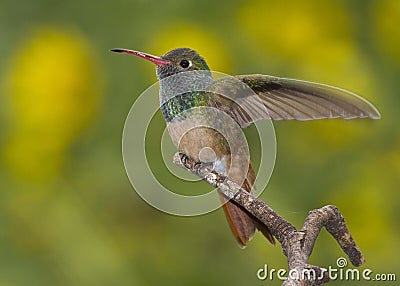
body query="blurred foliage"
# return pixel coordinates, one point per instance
(195, 37)
(68, 214)
(387, 28)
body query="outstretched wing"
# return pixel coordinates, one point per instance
(285, 99)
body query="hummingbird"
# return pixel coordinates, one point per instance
(274, 98)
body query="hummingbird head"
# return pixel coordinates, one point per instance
(173, 62)
(181, 60)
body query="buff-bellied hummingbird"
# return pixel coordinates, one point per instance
(186, 84)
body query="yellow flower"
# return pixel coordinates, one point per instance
(53, 89)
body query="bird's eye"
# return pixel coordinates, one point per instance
(185, 63)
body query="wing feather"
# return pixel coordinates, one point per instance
(313, 100)
(286, 99)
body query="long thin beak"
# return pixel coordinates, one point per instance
(154, 59)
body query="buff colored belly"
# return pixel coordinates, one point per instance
(208, 145)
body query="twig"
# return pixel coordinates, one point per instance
(296, 245)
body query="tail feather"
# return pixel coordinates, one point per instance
(243, 224)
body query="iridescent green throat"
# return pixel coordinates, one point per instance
(175, 106)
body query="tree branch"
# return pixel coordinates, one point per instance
(296, 245)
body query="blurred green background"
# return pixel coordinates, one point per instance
(68, 214)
